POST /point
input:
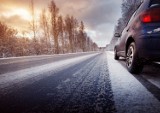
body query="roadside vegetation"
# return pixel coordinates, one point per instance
(128, 8)
(53, 33)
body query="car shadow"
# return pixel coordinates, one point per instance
(151, 71)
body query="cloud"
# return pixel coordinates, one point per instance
(102, 34)
(16, 22)
(99, 16)
(94, 12)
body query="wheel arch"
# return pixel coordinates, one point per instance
(128, 42)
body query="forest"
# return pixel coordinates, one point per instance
(53, 33)
(128, 7)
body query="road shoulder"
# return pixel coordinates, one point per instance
(129, 94)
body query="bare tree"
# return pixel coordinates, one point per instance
(82, 36)
(54, 10)
(61, 33)
(94, 47)
(75, 34)
(128, 8)
(7, 40)
(71, 28)
(34, 28)
(68, 35)
(33, 19)
(45, 27)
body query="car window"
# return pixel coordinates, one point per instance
(132, 17)
(141, 7)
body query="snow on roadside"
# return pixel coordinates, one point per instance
(150, 72)
(37, 56)
(11, 60)
(129, 94)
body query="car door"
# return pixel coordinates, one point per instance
(124, 36)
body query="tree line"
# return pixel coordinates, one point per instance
(128, 7)
(52, 34)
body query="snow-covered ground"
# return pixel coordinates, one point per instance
(36, 56)
(11, 60)
(150, 72)
(130, 94)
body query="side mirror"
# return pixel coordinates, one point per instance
(117, 35)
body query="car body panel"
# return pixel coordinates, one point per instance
(145, 35)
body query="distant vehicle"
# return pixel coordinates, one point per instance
(140, 40)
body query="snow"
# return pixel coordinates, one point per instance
(11, 60)
(37, 73)
(150, 72)
(59, 87)
(67, 80)
(88, 90)
(129, 94)
(36, 56)
(99, 84)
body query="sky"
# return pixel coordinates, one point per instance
(99, 16)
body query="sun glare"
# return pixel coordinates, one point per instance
(23, 13)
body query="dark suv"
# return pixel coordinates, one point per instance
(140, 40)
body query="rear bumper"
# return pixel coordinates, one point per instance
(148, 47)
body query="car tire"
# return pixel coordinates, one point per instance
(116, 57)
(134, 65)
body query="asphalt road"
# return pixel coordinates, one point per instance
(77, 83)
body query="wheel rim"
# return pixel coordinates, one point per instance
(130, 55)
